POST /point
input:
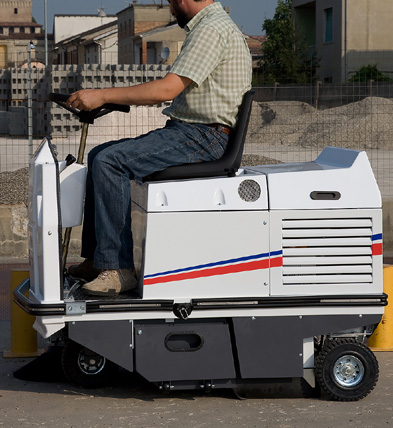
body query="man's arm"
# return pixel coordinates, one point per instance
(154, 92)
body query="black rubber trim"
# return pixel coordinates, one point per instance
(139, 305)
(59, 219)
(289, 302)
(128, 305)
(94, 306)
(34, 308)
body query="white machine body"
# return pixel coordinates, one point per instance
(312, 228)
(56, 194)
(287, 230)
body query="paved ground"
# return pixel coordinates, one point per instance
(131, 401)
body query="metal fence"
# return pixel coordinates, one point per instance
(288, 123)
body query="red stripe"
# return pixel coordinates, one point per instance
(377, 250)
(222, 270)
(276, 262)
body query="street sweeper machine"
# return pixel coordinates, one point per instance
(245, 275)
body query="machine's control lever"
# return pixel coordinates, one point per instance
(70, 159)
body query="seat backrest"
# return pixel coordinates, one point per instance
(229, 162)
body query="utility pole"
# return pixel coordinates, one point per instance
(30, 46)
(46, 33)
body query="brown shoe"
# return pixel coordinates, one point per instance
(111, 283)
(84, 270)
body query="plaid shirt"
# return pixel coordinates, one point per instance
(215, 56)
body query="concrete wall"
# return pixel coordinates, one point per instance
(14, 235)
(369, 34)
(67, 79)
(13, 231)
(362, 35)
(48, 118)
(370, 25)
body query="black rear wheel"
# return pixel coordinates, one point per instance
(346, 370)
(85, 368)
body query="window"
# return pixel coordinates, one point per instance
(16, 11)
(328, 16)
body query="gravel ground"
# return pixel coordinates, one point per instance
(13, 186)
(366, 124)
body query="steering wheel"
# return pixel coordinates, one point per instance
(87, 116)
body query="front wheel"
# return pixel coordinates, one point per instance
(346, 370)
(85, 368)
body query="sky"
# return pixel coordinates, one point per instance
(248, 14)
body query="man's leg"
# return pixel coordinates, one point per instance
(86, 270)
(115, 165)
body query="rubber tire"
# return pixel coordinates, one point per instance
(70, 361)
(324, 367)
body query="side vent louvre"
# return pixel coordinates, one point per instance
(327, 251)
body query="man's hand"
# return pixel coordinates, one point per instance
(86, 99)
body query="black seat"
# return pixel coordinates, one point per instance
(227, 165)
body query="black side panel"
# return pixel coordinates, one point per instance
(183, 351)
(110, 339)
(272, 347)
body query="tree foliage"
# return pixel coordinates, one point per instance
(369, 72)
(285, 55)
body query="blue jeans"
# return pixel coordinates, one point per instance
(106, 235)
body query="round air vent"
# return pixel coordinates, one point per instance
(249, 190)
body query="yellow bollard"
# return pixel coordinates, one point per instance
(382, 338)
(23, 336)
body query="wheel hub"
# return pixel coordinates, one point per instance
(90, 364)
(348, 371)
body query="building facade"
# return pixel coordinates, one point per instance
(137, 19)
(17, 29)
(95, 46)
(158, 46)
(346, 35)
(67, 26)
(16, 10)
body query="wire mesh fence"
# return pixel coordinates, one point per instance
(289, 123)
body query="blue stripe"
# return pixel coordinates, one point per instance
(224, 262)
(377, 237)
